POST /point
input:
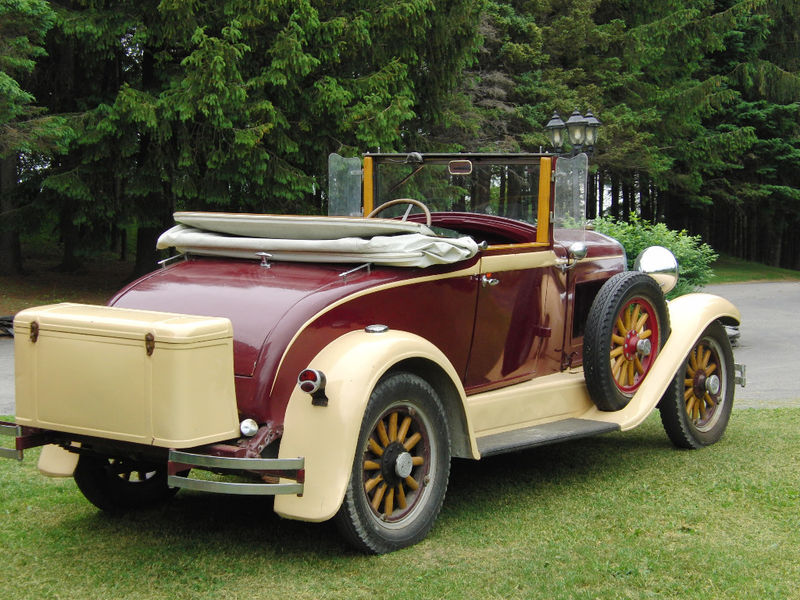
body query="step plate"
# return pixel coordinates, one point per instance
(540, 435)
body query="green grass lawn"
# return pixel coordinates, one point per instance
(734, 270)
(619, 516)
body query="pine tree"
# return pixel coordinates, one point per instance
(27, 135)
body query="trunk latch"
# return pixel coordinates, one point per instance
(149, 343)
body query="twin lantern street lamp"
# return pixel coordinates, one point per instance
(580, 129)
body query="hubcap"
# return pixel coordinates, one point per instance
(403, 465)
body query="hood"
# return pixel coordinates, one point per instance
(253, 297)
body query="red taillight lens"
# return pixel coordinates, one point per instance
(311, 380)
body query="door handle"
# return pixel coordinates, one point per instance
(487, 279)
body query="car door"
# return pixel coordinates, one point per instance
(519, 319)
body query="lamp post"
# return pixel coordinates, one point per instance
(579, 129)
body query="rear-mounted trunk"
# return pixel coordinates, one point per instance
(145, 377)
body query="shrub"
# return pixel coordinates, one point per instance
(694, 256)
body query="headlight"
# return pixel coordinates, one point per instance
(660, 264)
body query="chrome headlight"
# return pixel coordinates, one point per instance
(660, 264)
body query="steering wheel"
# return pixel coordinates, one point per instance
(417, 203)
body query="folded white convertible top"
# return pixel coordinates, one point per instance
(400, 250)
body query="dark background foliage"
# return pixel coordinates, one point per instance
(115, 113)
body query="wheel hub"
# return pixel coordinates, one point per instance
(396, 463)
(706, 383)
(712, 385)
(634, 346)
(631, 342)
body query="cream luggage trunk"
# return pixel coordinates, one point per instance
(137, 376)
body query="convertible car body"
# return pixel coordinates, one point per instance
(339, 362)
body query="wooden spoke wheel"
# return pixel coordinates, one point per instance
(697, 406)
(625, 330)
(113, 484)
(401, 467)
(396, 463)
(633, 337)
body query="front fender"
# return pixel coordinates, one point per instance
(689, 315)
(326, 436)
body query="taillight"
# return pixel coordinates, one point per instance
(312, 381)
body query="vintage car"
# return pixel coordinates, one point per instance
(338, 362)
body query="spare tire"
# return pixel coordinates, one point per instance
(628, 324)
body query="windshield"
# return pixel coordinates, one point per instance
(475, 184)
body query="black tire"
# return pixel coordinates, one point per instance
(116, 485)
(696, 408)
(401, 467)
(627, 326)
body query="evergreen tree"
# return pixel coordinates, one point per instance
(27, 136)
(237, 104)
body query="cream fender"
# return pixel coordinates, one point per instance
(326, 436)
(689, 315)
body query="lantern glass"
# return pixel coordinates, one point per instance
(576, 127)
(592, 128)
(555, 131)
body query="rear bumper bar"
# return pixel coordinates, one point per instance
(24, 438)
(268, 468)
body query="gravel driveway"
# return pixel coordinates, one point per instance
(767, 346)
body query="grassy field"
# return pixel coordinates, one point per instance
(733, 270)
(619, 516)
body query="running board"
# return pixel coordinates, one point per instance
(540, 435)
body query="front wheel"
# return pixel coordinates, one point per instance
(401, 467)
(697, 406)
(117, 485)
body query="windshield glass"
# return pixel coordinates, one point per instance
(475, 184)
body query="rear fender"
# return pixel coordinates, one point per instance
(326, 436)
(689, 315)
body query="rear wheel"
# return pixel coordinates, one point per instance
(401, 467)
(627, 325)
(117, 485)
(697, 406)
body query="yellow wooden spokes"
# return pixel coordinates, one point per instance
(624, 370)
(401, 435)
(382, 435)
(699, 364)
(385, 497)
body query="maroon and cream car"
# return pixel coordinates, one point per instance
(338, 363)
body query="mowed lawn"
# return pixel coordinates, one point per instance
(619, 516)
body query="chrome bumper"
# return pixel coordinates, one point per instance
(11, 430)
(289, 468)
(24, 438)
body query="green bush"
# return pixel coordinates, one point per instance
(694, 256)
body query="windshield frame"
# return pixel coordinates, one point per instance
(416, 162)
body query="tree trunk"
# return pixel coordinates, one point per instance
(646, 198)
(70, 239)
(10, 254)
(146, 253)
(591, 196)
(615, 196)
(601, 192)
